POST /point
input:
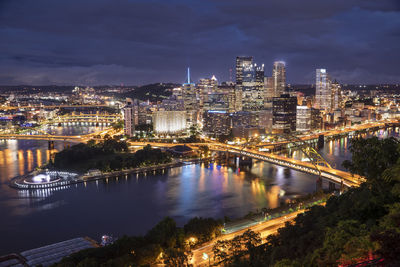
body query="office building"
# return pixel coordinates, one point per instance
(279, 78)
(284, 114)
(248, 87)
(250, 82)
(245, 119)
(131, 116)
(336, 95)
(229, 90)
(323, 93)
(169, 122)
(265, 119)
(316, 119)
(205, 87)
(216, 123)
(269, 92)
(191, 100)
(242, 63)
(258, 91)
(303, 119)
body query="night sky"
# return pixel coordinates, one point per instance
(99, 42)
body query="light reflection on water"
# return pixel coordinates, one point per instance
(132, 204)
(336, 151)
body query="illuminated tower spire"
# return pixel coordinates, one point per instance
(188, 75)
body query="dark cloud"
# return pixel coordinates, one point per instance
(135, 42)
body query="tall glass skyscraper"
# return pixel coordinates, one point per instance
(279, 76)
(250, 81)
(323, 92)
(242, 63)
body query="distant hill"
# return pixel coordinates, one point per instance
(152, 92)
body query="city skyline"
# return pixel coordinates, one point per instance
(137, 42)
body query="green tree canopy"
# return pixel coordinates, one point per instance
(372, 156)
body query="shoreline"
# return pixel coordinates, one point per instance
(17, 182)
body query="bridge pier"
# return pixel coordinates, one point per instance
(321, 141)
(51, 145)
(318, 187)
(245, 161)
(331, 186)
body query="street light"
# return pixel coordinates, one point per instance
(205, 257)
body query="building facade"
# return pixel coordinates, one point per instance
(169, 122)
(303, 119)
(131, 116)
(216, 123)
(284, 114)
(323, 94)
(279, 78)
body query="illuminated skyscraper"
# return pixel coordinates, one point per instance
(250, 82)
(258, 91)
(216, 123)
(279, 76)
(284, 114)
(191, 100)
(242, 63)
(169, 122)
(303, 119)
(336, 95)
(323, 93)
(131, 116)
(205, 87)
(268, 90)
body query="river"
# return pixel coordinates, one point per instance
(132, 205)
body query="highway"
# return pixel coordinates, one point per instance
(264, 228)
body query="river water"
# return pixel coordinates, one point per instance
(132, 205)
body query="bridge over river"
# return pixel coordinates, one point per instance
(51, 137)
(329, 173)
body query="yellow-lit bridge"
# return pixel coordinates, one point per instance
(103, 118)
(52, 106)
(325, 171)
(50, 137)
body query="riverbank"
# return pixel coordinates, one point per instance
(20, 183)
(253, 218)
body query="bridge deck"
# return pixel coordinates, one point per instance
(329, 173)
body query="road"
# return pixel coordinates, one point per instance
(264, 228)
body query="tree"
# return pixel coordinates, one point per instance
(389, 243)
(117, 126)
(227, 137)
(204, 150)
(220, 250)
(164, 233)
(194, 131)
(91, 143)
(287, 263)
(251, 240)
(371, 157)
(203, 229)
(176, 257)
(349, 240)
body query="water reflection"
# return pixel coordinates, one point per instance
(336, 151)
(131, 204)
